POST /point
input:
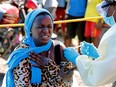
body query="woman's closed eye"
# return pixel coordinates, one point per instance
(42, 27)
(49, 26)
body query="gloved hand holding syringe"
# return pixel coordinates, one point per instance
(88, 49)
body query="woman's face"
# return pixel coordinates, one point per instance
(42, 29)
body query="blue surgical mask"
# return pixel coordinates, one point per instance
(110, 20)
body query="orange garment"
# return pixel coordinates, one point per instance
(60, 15)
(90, 29)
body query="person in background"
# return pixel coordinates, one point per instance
(101, 70)
(51, 6)
(38, 61)
(93, 26)
(60, 15)
(73, 11)
(9, 14)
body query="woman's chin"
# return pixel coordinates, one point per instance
(45, 41)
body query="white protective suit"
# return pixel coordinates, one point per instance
(102, 70)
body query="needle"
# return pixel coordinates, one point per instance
(77, 47)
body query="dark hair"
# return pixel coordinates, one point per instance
(109, 2)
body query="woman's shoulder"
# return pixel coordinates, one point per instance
(58, 42)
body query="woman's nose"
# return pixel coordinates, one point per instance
(45, 29)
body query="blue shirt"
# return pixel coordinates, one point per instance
(76, 8)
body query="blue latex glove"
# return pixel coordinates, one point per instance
(71, 54)
(89, 50)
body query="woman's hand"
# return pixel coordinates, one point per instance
(40, 61)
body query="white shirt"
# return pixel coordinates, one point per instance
(50, 3)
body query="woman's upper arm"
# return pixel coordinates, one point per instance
(62, 46)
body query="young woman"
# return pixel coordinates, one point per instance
(38, 61)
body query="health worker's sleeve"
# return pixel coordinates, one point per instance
(102, 70)
(96, 73)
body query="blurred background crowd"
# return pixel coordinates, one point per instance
(15, 11)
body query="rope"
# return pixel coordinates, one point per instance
(77, 20)
(11, 25)
(55, 22)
